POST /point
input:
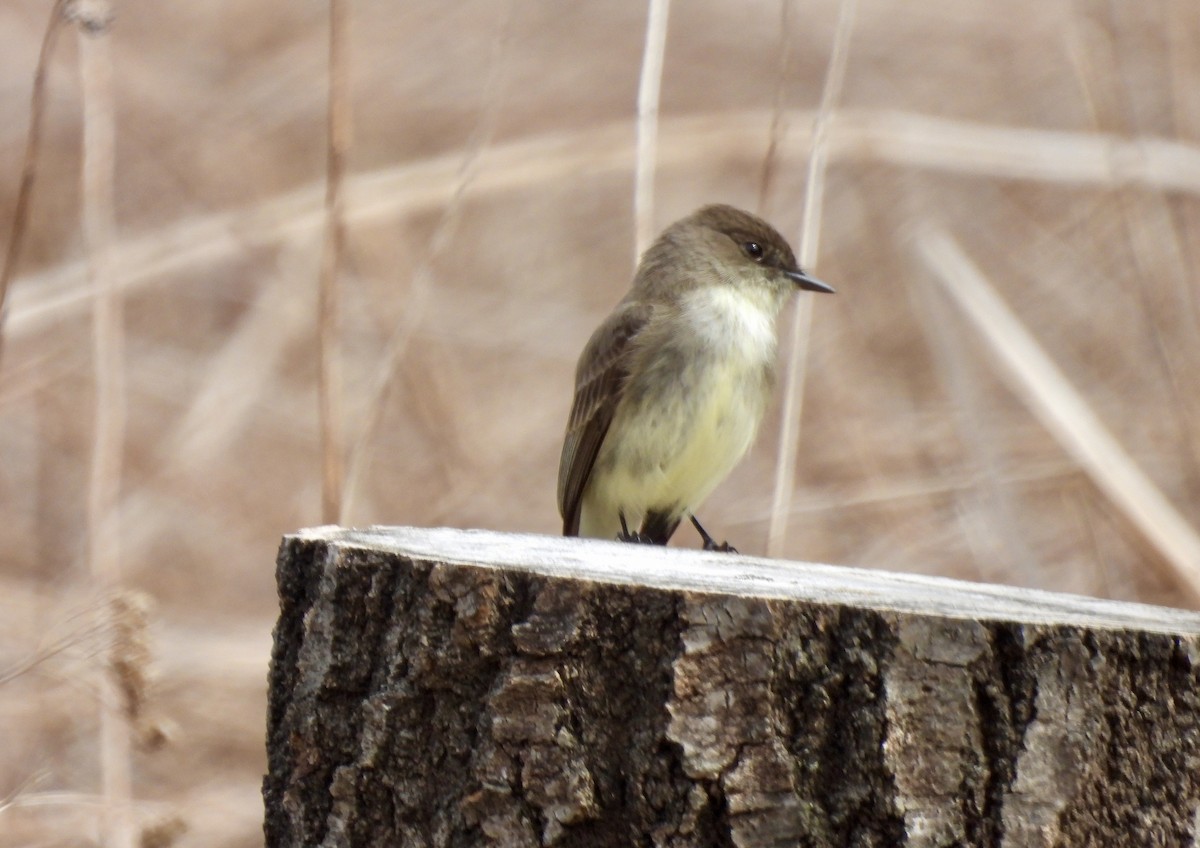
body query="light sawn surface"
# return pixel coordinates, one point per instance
(703, 571)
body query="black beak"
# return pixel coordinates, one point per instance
(808, 283)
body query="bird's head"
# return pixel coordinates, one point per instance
(749, 249)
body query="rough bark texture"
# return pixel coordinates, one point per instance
(442, 688)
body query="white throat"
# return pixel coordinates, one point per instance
(734, 320)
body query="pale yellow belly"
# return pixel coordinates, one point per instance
(696, 396)
(670, 455)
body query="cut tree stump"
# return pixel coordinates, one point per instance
(452, 688)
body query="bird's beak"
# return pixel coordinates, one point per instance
(808, 283)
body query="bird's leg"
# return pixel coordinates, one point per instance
(709, 544)
(626, 536)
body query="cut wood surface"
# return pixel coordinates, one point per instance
(434, 687)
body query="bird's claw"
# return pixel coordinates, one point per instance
(635, 538)
(709, 544)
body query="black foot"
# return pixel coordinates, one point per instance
(636, 538)
(709, 544)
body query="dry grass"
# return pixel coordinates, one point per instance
(488, 204)
(649, 92)
(330, 414)
(796, 342)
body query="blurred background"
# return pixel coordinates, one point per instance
(1045, 154)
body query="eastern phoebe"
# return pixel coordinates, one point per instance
(670, 390)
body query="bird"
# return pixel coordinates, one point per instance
(672, 386)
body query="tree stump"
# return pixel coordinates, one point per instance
(453, 688)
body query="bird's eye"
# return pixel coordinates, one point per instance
(754, 250)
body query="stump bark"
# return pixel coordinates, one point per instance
(451, 688)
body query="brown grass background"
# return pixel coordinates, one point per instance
(489, 222)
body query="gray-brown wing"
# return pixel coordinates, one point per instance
(602, 370)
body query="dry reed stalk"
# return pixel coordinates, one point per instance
(897, 138)
(749, 511)
(1147, 227)
(329, 378)
(649, 86)
(62, 818)
(80, 636)
(1006, 543)
(71, 801)
(1109, 581)
(1035, 378)
(33, 145)
(778, 124)
(22, 792)
(1184, 63)
(796, 368)
(238, 377)
(104, 482)
(34, 373)
(419, 289)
